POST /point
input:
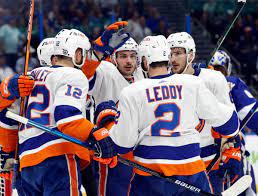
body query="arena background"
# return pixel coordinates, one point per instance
(205, 20)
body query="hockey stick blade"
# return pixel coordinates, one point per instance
(240, 186)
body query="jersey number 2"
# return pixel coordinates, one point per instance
(164, 127)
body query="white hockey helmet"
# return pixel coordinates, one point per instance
(182, 40)
(129, 45)
(154, 49)
(221, 58)
(45, 50)
(68, 41)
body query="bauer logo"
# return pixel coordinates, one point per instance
(188, 186)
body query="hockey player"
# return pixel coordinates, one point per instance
(160, 115)
(241, 95)
(57, 100)
(181, 57)
(243, 100)
(106, 84)
(108, 80)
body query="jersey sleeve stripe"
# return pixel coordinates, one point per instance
(69, 119)
(123, 150)
(208, 151)
(230, 128)
(92, 81)
(63, 114)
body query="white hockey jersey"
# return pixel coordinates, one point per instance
(217, 84)
(158, 118)
(107, 82)
(58, 97)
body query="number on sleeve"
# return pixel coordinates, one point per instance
(75, 92)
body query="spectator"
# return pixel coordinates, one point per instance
(33, 62)
(5, 70)
(210, 7)
(10, 37)
(146, 30)
(247, 50)
(135, 28)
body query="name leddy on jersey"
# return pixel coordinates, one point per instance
(159, 93)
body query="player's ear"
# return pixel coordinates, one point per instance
(191, 56)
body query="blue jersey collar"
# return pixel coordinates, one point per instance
(161, 76)
(197, 71)
(56, 66)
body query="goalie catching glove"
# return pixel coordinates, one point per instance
(111, 39)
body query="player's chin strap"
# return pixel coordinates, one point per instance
(241, 185)
(188, 62)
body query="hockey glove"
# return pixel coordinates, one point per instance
(6, 164)
(105, 112)
(111, 39)
(103, 146)
(16, 86)
(231, 160)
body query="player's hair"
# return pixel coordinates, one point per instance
(61, 57)
(159, 64)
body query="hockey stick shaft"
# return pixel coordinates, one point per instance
(239, 9)
(244, 181)
(27, 54)
(22, 104)
(57, 133)
(242, 125)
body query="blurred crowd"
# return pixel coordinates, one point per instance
(89, 16)
(92, 16)
(242, 41)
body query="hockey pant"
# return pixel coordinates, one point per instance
(56, 176)
(216, 181)
(115, 181)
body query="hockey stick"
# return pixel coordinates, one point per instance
(22, 105)
(242, 183)
(242, 125)
(240, 6)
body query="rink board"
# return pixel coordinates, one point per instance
(252, 147)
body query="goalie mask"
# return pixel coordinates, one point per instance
(222, 59)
